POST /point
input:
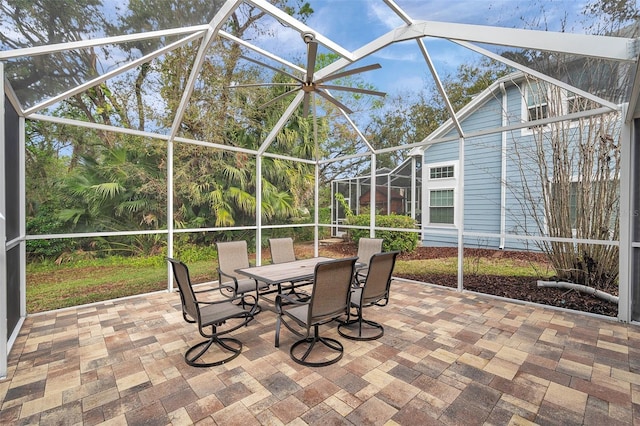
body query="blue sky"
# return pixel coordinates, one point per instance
(353, 23)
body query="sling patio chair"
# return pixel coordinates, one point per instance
(233, 255)
(281, 252)
(329, 300)
(374, 292)
(367, 247)
(210, 314)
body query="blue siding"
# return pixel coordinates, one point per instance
(483, 176)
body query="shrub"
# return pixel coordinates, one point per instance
(191, 253)
(44, 222)
(392, 240)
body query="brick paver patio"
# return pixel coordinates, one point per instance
(446, 358)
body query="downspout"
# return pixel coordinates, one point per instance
(503, 176)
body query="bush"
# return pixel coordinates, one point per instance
(44, 222)
(191, 253)
(392, 240)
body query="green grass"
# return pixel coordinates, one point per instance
(51, 286)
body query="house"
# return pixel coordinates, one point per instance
(508, 181)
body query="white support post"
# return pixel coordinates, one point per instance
(413, 188)
(388, 194)
(373, 190)
(259, 210)
(334, 208)
(316, 183)
(23, 216)
(625, 289)
(316, 207)
(169, 212)
(503, 168)
(459, 214)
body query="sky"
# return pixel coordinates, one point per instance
(354, 23)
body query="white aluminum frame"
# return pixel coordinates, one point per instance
(611, 48)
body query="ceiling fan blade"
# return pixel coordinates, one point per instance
(305, 105)
(333, 101)
(312, 51)
(353, 89)
(349, 72)
(277, 98)
(255, 61)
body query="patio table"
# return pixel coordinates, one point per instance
(279, 273)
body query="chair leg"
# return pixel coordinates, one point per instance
(235, 348)
(278, 321)
(344, 326)
(332, 344)
(244, 304)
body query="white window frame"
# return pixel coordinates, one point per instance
(566, 99)
(440, 184)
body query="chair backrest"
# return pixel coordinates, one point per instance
(232, 255)
(376, 286)
(367, 247)
(331, 289)
(281, 250)
(187, 296)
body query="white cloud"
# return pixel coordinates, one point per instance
(382, 13)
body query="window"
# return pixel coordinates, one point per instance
(537, 107)
(441, 206)
(440, 192)
(542, 101)
(442, 172)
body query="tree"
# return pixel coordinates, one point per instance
(569, 179)
(576, 163)
(227, 183)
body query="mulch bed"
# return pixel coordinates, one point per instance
(510, 287)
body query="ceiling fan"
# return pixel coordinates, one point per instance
(310, 85)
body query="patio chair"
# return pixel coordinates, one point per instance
(281, 252)
(367, 247)
(374, 292)
(329, 300)
(209, 314)
(233, 255)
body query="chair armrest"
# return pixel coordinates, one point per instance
(205, 290)
(288, 300)
(227, 299)
(234, 279)
(360, 277)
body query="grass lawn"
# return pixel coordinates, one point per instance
(51, 286)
